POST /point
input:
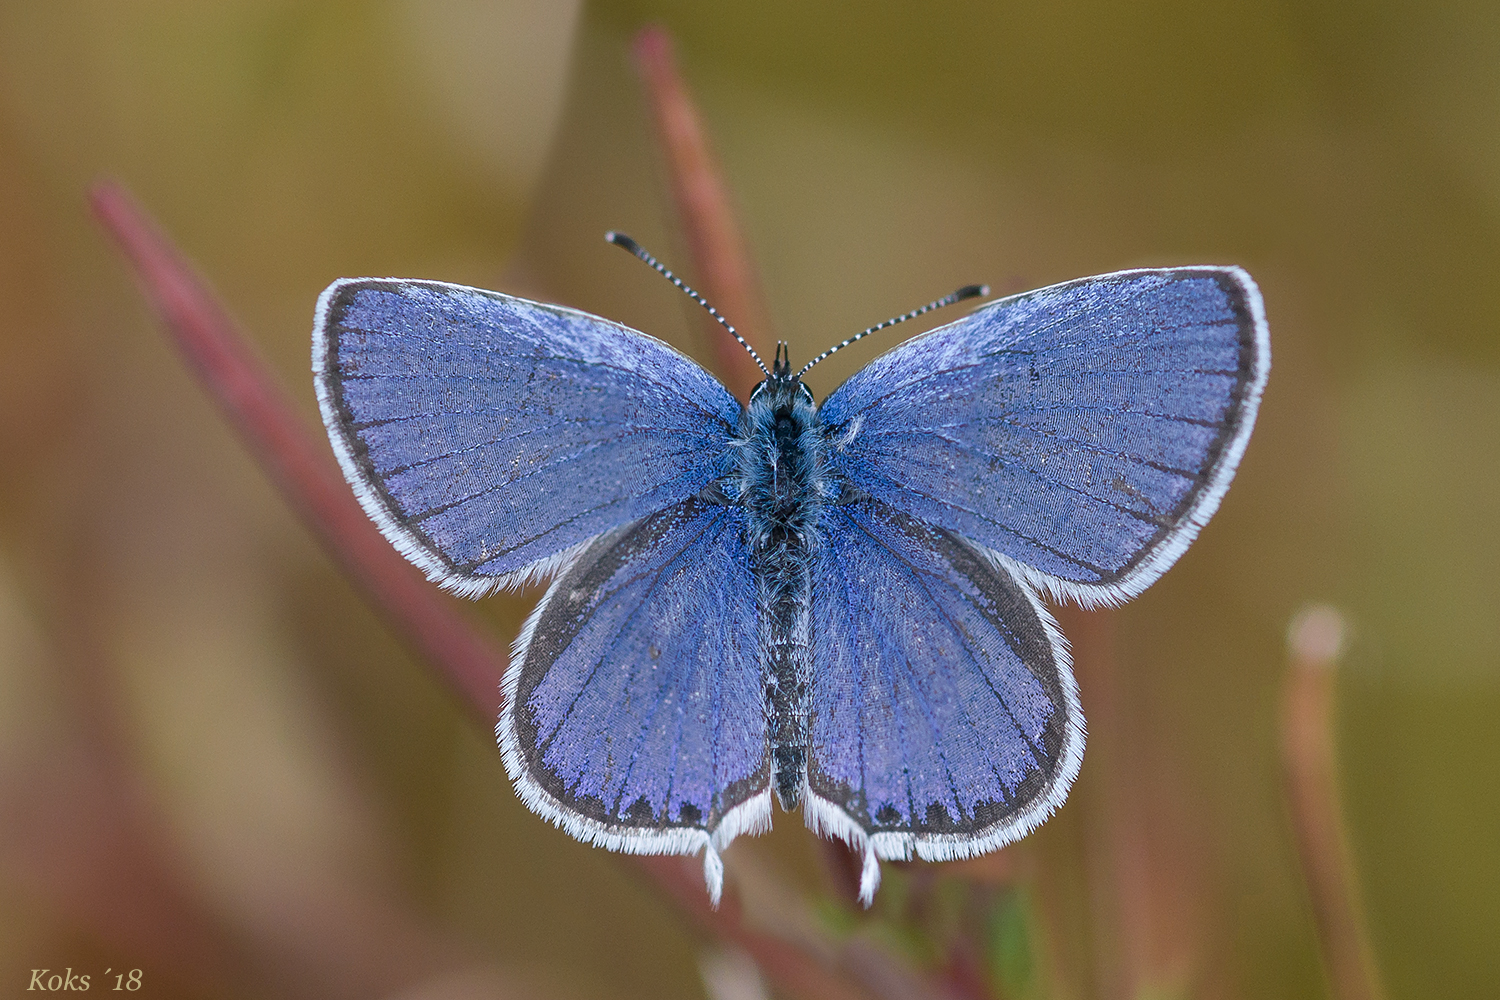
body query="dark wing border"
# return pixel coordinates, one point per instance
(1157, 556)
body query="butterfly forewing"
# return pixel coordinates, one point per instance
(634, 715)
(944, 718)
(487, 434)
(1084, 431)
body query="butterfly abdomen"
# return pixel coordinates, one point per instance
(782, 473)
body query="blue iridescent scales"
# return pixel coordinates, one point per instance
(837, 603)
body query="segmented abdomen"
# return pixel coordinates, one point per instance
(782, 472)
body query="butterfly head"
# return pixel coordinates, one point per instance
(782, 388)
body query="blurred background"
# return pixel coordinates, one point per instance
(332, 822)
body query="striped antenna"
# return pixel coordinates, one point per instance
(966, 292)
(621, 240)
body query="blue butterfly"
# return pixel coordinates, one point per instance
(838, 603)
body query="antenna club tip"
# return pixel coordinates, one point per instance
(971, 292)
(621, 240)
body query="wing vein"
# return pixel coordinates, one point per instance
(1003, 527)
(1036, 475)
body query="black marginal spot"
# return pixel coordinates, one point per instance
(576, 591)
(988, 814)
(850, 798)
(1008, 611)
(640, 814)
(937, 820)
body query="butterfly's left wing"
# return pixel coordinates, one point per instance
(944, 717)
(634, 716)
(1083, 432)
(490, 436)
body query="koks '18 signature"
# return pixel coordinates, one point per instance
(47, 980)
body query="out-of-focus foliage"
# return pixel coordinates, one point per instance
(333, 809)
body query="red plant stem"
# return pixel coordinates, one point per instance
(1309, 765)
(722, 266)
(1137, 946)
(257, 407)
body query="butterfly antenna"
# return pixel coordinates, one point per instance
(621, 240)
(966, 292)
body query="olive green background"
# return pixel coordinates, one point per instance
(326, 795)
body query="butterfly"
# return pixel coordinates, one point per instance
(836, 603)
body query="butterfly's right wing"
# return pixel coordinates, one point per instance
(1083, 433)
(490, 436)
(634, 713)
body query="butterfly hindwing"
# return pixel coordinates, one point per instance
(1084, 431)
(488, 436)
(634, 711)
(944, 716)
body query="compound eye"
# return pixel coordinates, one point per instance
(805, 392)
(759, 388)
